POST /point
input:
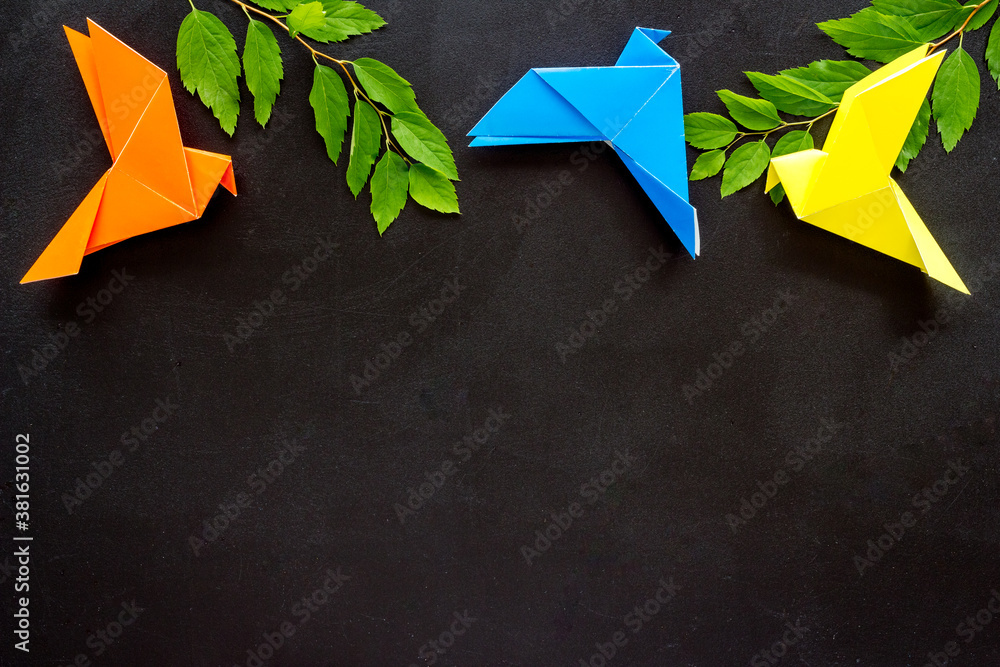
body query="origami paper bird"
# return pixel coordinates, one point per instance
(846, 188)
(155, 181)
(635, 106)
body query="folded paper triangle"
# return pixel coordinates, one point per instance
(846, 188)
(155, 181)
(635, 106)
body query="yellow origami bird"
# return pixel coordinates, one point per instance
(846, 189)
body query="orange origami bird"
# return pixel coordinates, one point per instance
(155, 181)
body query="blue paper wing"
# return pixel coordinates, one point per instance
(608, 97)
(655, 137)
(679, 214)
(533, 109)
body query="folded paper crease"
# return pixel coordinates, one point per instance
(155, 181)
(846, 187)
(635, 105)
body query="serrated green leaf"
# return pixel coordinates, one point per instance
(262, 64)
(917, 137)
(708, 164)
(277, 5)
(830, 77)
(390, 183)
(329, 101)
(708, 130)
(305, 17)
(981, 18)
(385, 86)
(777, 194)
(430, 188)
(993, 52)
(751, 113)
(207, 60)
(873, 35)
(790, 95)
(956, 97)
(366, 139)
(930, 18)
(745, 166)
(793, 142)
(344, 19)
(423, 141)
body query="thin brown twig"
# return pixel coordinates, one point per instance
(961, 30)
(390, 144)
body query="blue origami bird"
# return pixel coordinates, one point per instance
(635, 106)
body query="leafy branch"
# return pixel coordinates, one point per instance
(881, 33)
(416, 160)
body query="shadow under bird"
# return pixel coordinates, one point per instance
(635, 106)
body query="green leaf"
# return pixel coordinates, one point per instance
(418, 137)
(385, 86)
(277, 5)
(790, 95)
(708, 130)
(793, 142)
(750, 113)
(993, 52)
(430, 188)
(930, 18)
(870, 34)
(366, 139)
(981, 18)
(956, 97)
(708, 164)
(344, 19)
(262, 63)
(329, 100)
(745, 166)
(389, 186)
(206, 57)
(777, 194)
(305, 17)
(830, 77)
(917, 137)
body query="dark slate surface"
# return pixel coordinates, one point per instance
(823, 362)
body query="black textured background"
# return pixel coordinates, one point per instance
(826, 358)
